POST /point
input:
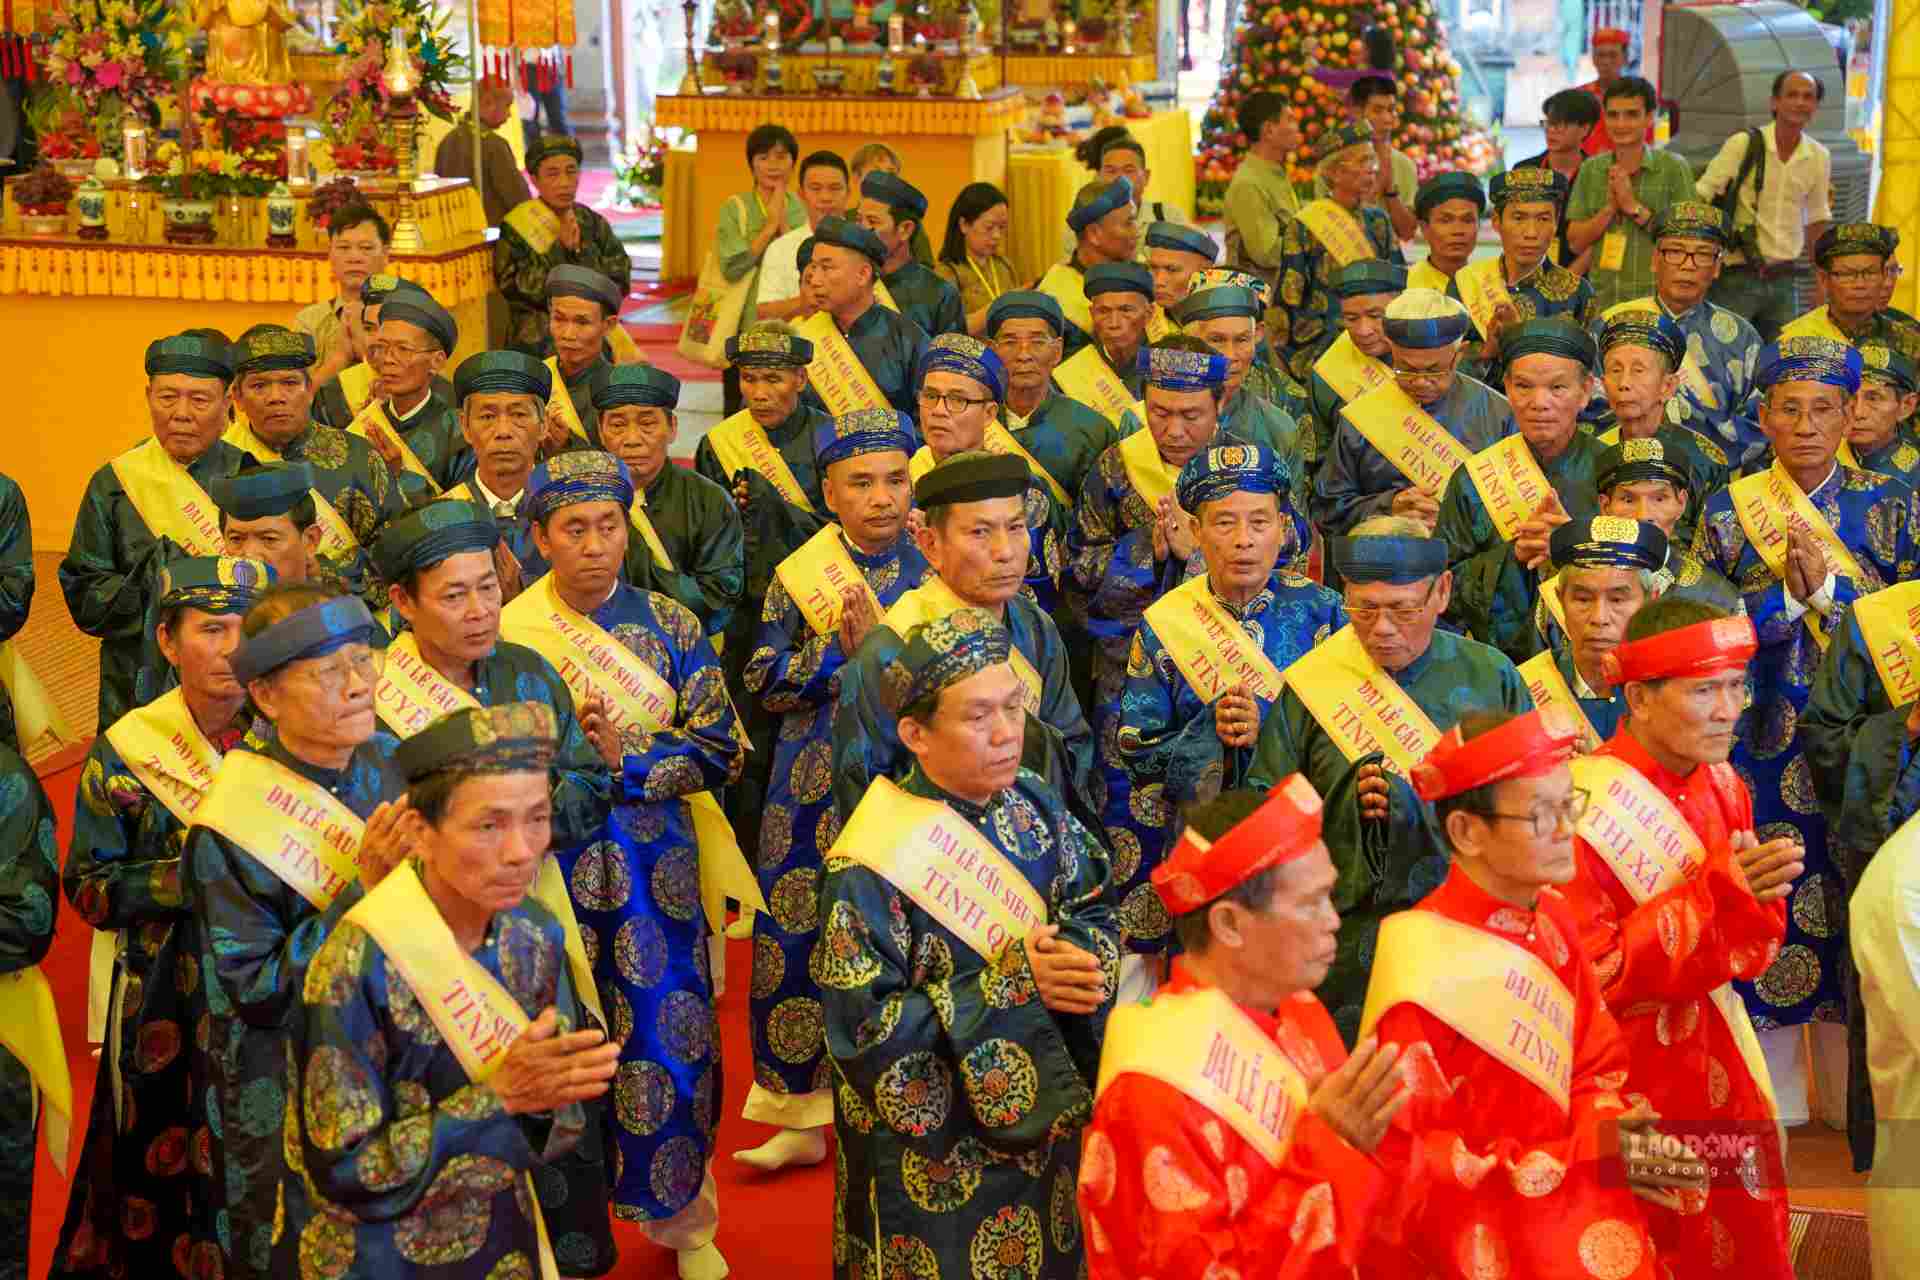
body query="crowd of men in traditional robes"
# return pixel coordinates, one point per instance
(1217, 778)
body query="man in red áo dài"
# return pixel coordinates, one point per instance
(1232, 1134)
(1517, 1068)
(1675, 896)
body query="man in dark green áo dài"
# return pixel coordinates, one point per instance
(258, 883)
(1224, 312)
(142, 781)
(965, 1052)
(697, 551)
(16, 588)
(1387, 848)
(29, 885)
(1026, 328)
(551, 230)
(339, 400)
(1495, 580)
(415, 427)
(893, 210)
(583, 307)
(148, 506)
(1881, 433)
(844, 271)
(1359, 358)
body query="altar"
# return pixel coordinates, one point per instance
(1041, 181)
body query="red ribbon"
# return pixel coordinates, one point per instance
(569, 69)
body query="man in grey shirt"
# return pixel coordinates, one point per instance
(502, 185)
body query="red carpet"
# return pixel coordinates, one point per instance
(772, 1226)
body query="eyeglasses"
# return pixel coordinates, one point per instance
(1790, 414)
(1404, 615)
(330, 673)
(1023, 343)
(1547, 819)
(953, 400)
(1423, 375)
(1859, 275)
(381, 350)
(1674, 256)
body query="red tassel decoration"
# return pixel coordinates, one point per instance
(26, 56)
(569, 69)
(6, 57)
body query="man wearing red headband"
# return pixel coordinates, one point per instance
(1232, 1134)
(1675, 896)
(1609, 51)
(1508, 1045)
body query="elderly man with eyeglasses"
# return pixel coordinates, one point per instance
(1359, 711)
(1856, 268)
(1805, 541)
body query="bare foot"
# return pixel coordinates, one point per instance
(704, 1263)
(787, 1147)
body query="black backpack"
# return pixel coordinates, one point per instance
(1728, 201)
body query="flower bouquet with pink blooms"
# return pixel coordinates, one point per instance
(114, 59)
(363, 32)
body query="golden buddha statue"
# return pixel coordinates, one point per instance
(245, 40)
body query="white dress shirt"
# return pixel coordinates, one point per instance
(1798, 191)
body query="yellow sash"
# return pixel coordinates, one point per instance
(411, 695)
(1768, 505)
(1889, 621)
(1424, 275)
(1001, 440)
(884, 296)
(1088, 378)
(592, 662)
(1201, 1043)
(1068, 288)
(1152, 478)
(535, 223)
(836, 373)
(1359, 705)
(1846, 457)
(1550, 596)
(562, 401)
(30, 1030)
(477, 1017)
(1483, 290)
(374, 416)
(1650, 847)
(1494, 992)
(1158, 326)
(934, 599)
(1350, 371)
(337, 542)
(1550, 689)
(816, 574)
(166, 751)
(1815, 324)
(643, 525)
(291, 826)
(951, 871)
(1406, 435)
(1208, 644)
(741, 444)
(36, 716)
(169, 499)
(1510, 483)
(1692, 377)
(356, 385)
(1341, 233)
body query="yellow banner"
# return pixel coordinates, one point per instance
(1550, 689)
(643, 525)
(1769, 504)
(356, 386)
(163, 746)
(411, 695)
(1152, 478)
(1359, 705)
(741, 444)
(1068, 288)
(169, 499)
(1510, 483)
(337, 542)
(292, 827)
(934, 599)
(1202, 1044)
(1001, 440)
(1350, 371)
(535, 223)
(592, 662)
(1338, 230)
(37, 718)
(1483, 290)
(1692, 377)
(1406, 435)
(374, 416)
(1890, 625)
(1650, 847)
(816, 574)
(1209, 645)
(951, 871)
(843, 383)
(30, 1030)
(477, 1017)
(1088, 378)
(1497, 994)
(563, 402)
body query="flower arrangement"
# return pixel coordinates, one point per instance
(353, 115)
(357, 141)
(43, 193)
(235, 156)
(62, 127)
(109, 59)
(330, 199)
(640, 175)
